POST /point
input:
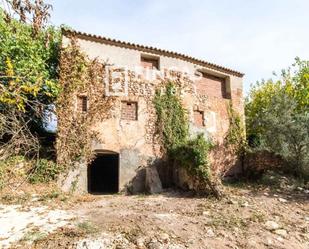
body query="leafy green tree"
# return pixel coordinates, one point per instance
(28, 64)
(277, 117)
(29, 54)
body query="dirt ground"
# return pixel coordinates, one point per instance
(249, 217)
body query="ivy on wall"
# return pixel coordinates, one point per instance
(79, 75)
(173, 128)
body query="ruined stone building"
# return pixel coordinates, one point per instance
(126, 138)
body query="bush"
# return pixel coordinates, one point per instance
(193, 155)
(44, 171)
(11, 169)
(277, 117)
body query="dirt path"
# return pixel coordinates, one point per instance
(248, 218)
(245, 220)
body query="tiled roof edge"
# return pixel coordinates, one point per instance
(151, 50)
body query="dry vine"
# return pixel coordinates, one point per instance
(79, 75)
(37, 13)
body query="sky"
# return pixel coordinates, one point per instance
(254, 37)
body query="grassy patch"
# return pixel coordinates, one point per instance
(33, 236)
(87, 227)
(11, 199)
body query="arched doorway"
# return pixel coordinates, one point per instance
(103, 174)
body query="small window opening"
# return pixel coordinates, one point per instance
(152, 63)
(82, 103)
(128, 110)
(199, 118)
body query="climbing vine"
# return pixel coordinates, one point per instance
(172, 122)
(235, 139)
(79, 76)
(173, 127)
(236, 135)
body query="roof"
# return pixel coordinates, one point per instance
(150, 49)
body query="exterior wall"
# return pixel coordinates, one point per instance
(134, 140)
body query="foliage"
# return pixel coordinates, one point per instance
(17, 169)
(236, 135)
(278, 117)
(28, 65)
(173, 127)
(44, 171)
(9, 170)
(34, 12)
(193, 155)
(87, 227)
(171, 117)
(79, 75)
(28, 77)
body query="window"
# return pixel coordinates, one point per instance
(199, 118)
(212, 86)
(152, 63)
(128, 110)
(82, 103)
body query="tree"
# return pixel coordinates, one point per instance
(277, 117)
(28, 74)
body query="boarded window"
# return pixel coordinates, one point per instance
(212, 86)
(152, 63)
(82, 103)
(129, 110)
(199, 118)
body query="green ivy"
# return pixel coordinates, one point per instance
(173, 126)
(44, 171)
(193, 155)
(172, 121)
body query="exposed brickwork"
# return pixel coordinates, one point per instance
(128, 110)
(212, 86)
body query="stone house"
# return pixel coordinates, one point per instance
(127, 141)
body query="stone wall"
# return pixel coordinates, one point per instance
(134, 138)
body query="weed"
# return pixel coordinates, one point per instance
(87, 227)
(33, 236)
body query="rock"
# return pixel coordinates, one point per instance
(140, 242)
(153, 182)
(245, 204)
(206, 213)
(268, 242)
(155, 245)
(230, 201)
(281, 232)
(164, 237)
(306, 191)
(282, 200)
(210, 233)
(271, 225)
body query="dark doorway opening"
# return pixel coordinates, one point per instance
(103, 174)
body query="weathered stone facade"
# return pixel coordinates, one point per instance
(130, 131)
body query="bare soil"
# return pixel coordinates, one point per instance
(179, 220)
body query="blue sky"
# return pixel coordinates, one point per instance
(254, 37)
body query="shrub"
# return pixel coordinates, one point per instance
(277, 118)
(11, 169)
(193, 155)
(173, 128)
(44, 171)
